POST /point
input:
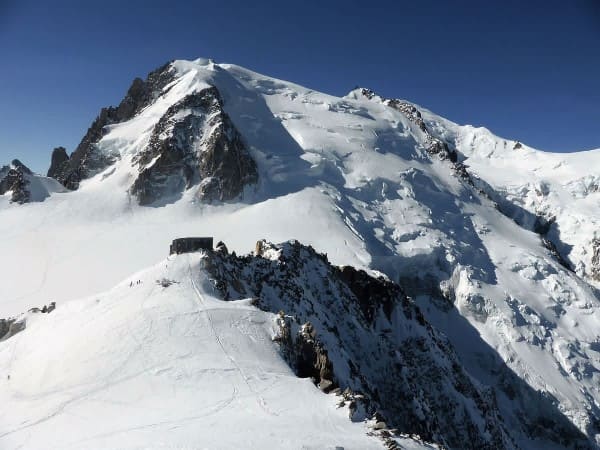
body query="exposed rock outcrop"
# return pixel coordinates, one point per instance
(436, 146)
(18, 165)
(195, 142)
(433, 145)
(59, 157)
(12, 179)
(595, 266)
(10, 327)
(305, 353)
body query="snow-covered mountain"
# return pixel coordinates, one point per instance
(495, 244)
(559, 190)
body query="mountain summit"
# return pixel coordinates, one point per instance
(473, 258)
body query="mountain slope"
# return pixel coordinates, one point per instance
(562, 188)
(379, 184)
(151, 364)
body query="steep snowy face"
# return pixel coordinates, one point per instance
(523, 301)
(560, 189)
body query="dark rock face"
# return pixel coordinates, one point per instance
(436, 146)
(59, 157)
(86, 159)
(13, 178)
(555, 253)
(194, 142)
(305, 353)
(221, 247)
(142, 93)
(371, 293)
(595, 270)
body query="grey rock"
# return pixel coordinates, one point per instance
(10, 327)
(595, 268)
(306, 354)
(434, 146)
(373, 342)
(221, 247)
(194, 144)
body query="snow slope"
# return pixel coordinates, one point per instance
(562, 187)
(352, 177)
(144, 365)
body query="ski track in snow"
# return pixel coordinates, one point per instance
(147, 361)
(260, 400)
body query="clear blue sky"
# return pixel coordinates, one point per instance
(528, 70)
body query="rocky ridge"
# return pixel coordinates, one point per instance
(86, 160)
(351, 332)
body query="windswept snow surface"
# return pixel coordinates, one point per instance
(352, 177)
(148, 366)
(564, 187)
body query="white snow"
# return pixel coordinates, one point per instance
(561, 185)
